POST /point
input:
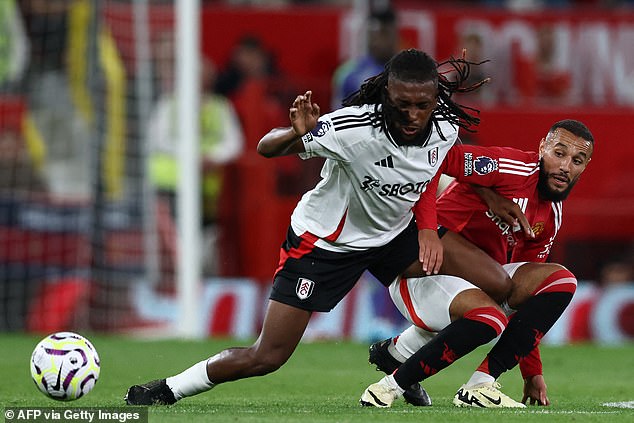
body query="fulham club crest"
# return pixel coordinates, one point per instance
(304, 288)
(432, 155)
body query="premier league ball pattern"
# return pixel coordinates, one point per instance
(65, 366)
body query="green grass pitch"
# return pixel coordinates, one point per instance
(322, 382)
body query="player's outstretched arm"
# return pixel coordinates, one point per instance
(303, 115)
(507, 209)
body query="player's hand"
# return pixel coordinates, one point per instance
(535, 391)
(430, 252)
(304, 113)
(506, 209)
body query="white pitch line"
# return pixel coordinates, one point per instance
(622, 404)
(570, 412)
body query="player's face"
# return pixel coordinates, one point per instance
(408, 109)
(563, 157)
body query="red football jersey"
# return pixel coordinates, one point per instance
(511, 173)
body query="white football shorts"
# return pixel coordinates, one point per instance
(425, 301)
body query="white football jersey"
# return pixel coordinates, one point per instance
(369, 183)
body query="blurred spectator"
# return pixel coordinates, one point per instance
(616, 273)
(164, 63)
(473, 44)
(67, 164)
(18, 172)
(249, 60)
(46, 23)
(245, 80)
(259, 92)
(382, 44)
(472, 41)
(618, 270)
(14, 46)
(552, 74)
(221, 142)
(21, 149)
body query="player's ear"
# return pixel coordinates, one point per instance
(590, 156)
(541, 147)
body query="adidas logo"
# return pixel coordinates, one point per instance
(386, 162)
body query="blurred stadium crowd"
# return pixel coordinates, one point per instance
(88, 151)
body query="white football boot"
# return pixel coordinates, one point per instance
(484, 395)
(381, 394)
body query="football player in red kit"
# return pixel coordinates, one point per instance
(534, 291)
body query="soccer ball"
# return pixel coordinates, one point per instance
(65, 366)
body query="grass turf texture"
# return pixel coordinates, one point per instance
(322, 382)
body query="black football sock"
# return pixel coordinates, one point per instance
(524, 331)
(478, 327)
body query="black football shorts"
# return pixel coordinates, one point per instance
(315, 279)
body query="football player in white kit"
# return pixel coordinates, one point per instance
(382, 149)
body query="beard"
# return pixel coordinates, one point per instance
(545, 192)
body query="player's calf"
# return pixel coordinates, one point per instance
(531, 322)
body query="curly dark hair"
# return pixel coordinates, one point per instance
(417, 66)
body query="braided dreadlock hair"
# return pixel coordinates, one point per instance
(417, 66)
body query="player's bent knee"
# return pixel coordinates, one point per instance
(497, 284)
(491, 316)
(469, 300)
(560, 279)
(502, 291)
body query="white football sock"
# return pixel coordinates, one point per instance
(409, 341)
(479, 377)
(389, 380)
(191, 381)
(394, 352)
